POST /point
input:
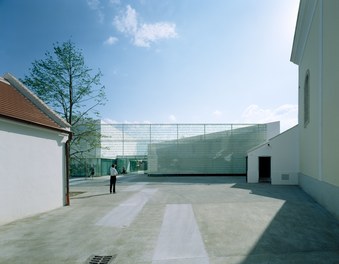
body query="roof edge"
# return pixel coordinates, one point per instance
(60, 130)
(286, 131)
(36, 100)
(270, 139)
(302, 29)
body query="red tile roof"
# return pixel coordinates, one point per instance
(14, 105)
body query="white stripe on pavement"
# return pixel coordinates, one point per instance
(180, 239)
(126, 212)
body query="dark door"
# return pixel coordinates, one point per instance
(264, 169)
(246, 168)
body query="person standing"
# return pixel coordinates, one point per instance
(113, 180)
(92, 172)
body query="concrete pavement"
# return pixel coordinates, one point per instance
(166, 220)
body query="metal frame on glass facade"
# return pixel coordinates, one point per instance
(181, 149)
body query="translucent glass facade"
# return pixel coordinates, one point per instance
(182, 148)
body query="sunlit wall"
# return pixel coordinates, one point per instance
(207, 149)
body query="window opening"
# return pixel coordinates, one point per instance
(307, 99)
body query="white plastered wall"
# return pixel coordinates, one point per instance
(32, 170)
(284, 152)
(318, 141)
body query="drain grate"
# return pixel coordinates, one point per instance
(95, 259)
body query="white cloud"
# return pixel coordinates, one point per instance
(137, 122)
(96, 6)
(111, 40)
(142, 34)
(114, 2)
(148, 33)
(127, 22)
(111, 121)
(93, 4)
(215, 117)
(108, 121)
(172, 118)
(287, 115)
(217, 113)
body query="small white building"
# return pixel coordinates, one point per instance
(33, 140)
(275, 161)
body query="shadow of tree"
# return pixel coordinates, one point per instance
(90, 196)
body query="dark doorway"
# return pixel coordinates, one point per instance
(246, 168)
(264, 169)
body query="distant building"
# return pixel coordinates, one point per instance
(156, 149)
(218, 153)
(116, 146)
(32, 153)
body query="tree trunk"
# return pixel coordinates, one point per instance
(67, 153)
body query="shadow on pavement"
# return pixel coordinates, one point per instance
(301, 231)
(144, 178)
(90, 196)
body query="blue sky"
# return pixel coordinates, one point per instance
(168, 61)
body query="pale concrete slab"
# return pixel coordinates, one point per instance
(238, 223)
(179, 238)
(124, 214)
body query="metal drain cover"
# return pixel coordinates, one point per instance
(95, 259)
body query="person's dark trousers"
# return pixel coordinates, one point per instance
(112, 182)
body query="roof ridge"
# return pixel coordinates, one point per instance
(36, 100)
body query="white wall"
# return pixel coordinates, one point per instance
(285, 157)
(319, 145)
(310, 134)
(330, 94)
(284, 152)
(273, 129)
(32, 170)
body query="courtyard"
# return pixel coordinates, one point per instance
(185, 220)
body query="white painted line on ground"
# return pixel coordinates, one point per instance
(126, 212)
(180, 240)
